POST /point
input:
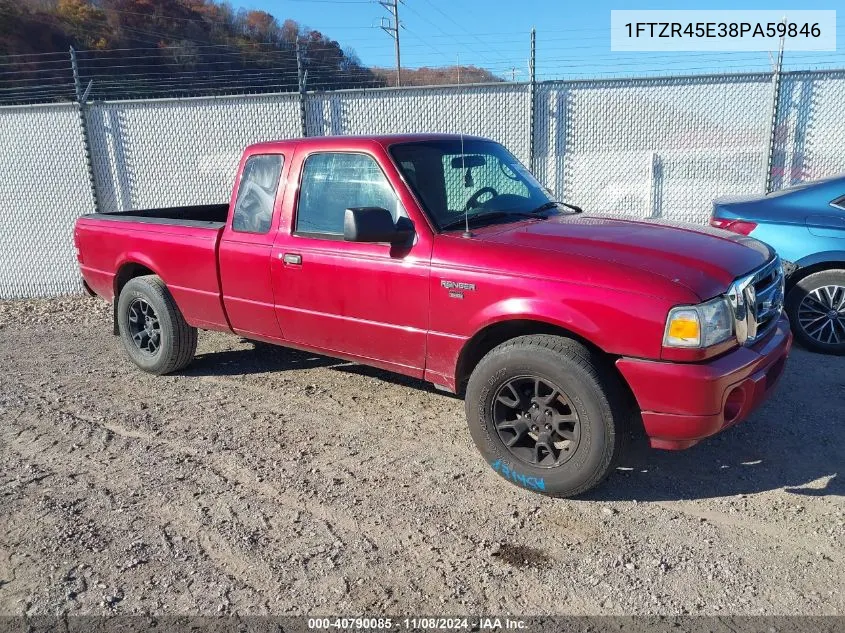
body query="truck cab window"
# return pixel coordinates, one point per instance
(256, 193)
(333, 182)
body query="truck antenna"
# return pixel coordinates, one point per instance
(466, 232)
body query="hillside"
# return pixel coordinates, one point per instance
(156, 48)
(435, 76)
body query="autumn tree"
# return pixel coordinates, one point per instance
(152, 48)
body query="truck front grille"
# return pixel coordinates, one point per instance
(757, 302)
(769, 291)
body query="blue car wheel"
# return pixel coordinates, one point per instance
(816, 309)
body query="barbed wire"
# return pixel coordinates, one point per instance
(213, 69)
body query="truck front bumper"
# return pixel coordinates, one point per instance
(683, 403)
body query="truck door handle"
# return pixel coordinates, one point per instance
(292, 258)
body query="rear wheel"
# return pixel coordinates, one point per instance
(153, 330)
(546, 414)
(816, 309)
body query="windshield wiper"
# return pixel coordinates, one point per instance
(496, 215)
(554, 203)
(473, 219)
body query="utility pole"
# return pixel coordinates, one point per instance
(392, 29)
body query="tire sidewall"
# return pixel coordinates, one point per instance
(596, 433)
(139, 288)
(793, 303)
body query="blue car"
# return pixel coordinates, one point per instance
(806, 226)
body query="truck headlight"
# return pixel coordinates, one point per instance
(699, 326)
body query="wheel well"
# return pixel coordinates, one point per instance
(491, 336)
(486, 339)
(124, 275)
(806, 271)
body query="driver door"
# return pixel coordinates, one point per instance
(363, 300)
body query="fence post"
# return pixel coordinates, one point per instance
(776, 85)
(81, 101)
(301, 75)
(655, 207)
(532, 98)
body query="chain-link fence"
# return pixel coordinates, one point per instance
(662, 147)
(809, 134)
(496, 111)
(161, 153)
(44, 188)
(654, 148)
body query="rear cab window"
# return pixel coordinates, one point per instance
(257, 193)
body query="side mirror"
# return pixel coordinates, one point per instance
(375, 224)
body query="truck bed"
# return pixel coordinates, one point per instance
(203, 215)
(179, 244)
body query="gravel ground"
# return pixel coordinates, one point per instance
(263, 480)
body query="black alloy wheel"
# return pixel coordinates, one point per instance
(154, 333)
(547, 414)
(144, 326)
(536, 421)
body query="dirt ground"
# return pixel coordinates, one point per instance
(263, 480)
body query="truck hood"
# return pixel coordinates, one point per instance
(703, 259)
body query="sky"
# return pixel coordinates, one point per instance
(573, 37)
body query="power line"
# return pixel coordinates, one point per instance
(458, 38)
(62, 53)
(433, 6)
(426, 44)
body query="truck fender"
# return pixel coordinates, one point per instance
(555, 313)
(133, 259)
(533, 315)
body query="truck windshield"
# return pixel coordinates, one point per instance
(479, 178)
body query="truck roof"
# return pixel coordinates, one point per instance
(355, 142)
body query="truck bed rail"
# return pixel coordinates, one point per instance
(206, 215)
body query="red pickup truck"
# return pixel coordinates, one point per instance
(441, 257)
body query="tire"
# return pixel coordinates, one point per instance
(170, 343)
(591, 391)
(813, 301)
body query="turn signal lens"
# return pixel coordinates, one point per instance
(703, 325)
(683, 329)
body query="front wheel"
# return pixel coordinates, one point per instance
(153, 330)
(816, 309)
(546, 414)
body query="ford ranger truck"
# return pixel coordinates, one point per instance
(442, 258)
